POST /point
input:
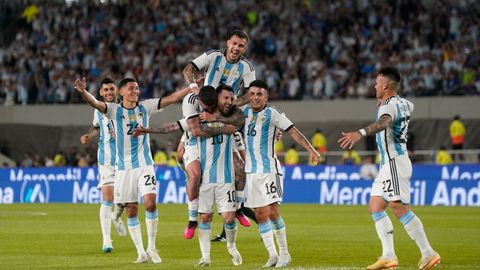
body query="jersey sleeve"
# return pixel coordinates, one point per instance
(111, 109)
(238, 141)
(248, 76)
(410, 105)
(388, 109)
(96, 121)
(202, 61)
(280, 120)
(183, 124)
(189, 106)
(151, 105)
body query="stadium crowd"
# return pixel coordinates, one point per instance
(304, 49)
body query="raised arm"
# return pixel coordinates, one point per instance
(348, 140)
(81, 87)
(189, 76)
(242, 100)
(301, 140)
(175, 97)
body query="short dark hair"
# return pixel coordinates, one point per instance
(222, 87)
(125, 81)
(259, 84)
(239, 33)
(106, 80)
(391, 73)
(208, 95)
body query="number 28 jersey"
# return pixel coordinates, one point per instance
(392, 141)
(132, 152)
(259, 133)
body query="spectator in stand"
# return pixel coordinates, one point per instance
(351, 157)
(319, 141)
(443, 157)
(457, 135)
(160, 157)
(368, 170)
(291, 156)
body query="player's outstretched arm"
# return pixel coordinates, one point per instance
(81, 87)
(92, 133)
(164, 129)
(349, 139)
(189, 76)
(175, 97)
(301, 140)
(208, 131)
(236, 119)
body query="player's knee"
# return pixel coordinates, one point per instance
(131, 210)
(229, 219)
(150, 206)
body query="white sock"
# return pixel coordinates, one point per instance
(280, 235)
(118, 210)
(204, 234)
(192, 209)
(106, 221)
(136, 234)
(151, 221)
(267, 237)
(414, 228)
(384, 227)
(239, 199)
(231, 234)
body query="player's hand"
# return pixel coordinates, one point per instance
(229, 129)
(348, 140)
(84, 139)
(278, 135)
(206, 117)
(316, 158)
(138, 131)
(80, 85)
(200, 81)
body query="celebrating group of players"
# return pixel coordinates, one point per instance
(227, 151)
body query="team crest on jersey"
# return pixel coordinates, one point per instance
(226, 72)
(131, 118)
(254, 119)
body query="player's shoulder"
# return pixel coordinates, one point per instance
(274, 109)
(389, 101)
(214, 52)
(190, 98)
(246, 61)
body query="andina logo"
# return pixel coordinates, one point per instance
(35, 192)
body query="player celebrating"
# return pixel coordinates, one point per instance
(392, 184)
(106, 165)
(134, 161)
(263, 169)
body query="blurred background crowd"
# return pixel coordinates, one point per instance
(304, 49)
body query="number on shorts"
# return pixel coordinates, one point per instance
(231, 196)
(387, 186)
(150, 180)
(271, 189)
(131, 127)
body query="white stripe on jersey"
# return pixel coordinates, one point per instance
(259, 132)
(219, 71)
(392, 141)
(106, 153)
(190, 108)
(132, 152)
(216, 159)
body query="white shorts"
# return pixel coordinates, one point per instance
(223, 195)
(106, 175)
(393, 181)
(129, 182)
(191, 154)
(263, 189)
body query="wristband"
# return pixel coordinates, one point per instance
(362, 131)
(192, 85)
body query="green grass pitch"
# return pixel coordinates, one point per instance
(67, 236)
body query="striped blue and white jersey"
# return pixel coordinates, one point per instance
(219, 71)
(106, 153)
(132, 152)
(216, 158)
(259, 133)
(392, 141)
(190, 108)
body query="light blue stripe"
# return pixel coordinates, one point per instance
(251, 148)
(107, 203)
(203, 153)
(378, 215)
(278, 224)
(204, 226)
(112, 145)
(132, 221)
(151, 215)
(228, 67)
(228, 160)
(214, 166)
(230, 226)
(192, 213)
(133, 141)
(236, 83)
(214, 69)
(264, 141)
(146, 139)
(397, 129)
(101, 139)
(120, 140)
(265, 227)
(407, 217)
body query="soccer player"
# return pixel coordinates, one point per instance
(263, 169)
(392, 184)
(106, 165)
(222, 67)
(135, 172)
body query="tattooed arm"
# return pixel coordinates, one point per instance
(236, 118)
(302, 141)
(348, 140)
(164, 129)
